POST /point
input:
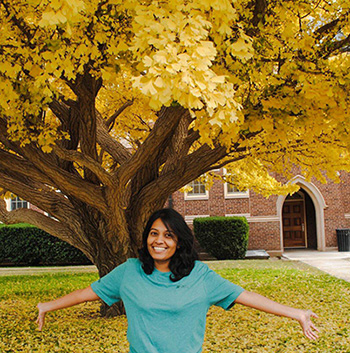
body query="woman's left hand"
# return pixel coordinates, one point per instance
(309, 329)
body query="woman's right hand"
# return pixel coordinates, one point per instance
(73, 298)
(41, 316)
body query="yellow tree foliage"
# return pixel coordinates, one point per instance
(119, 103)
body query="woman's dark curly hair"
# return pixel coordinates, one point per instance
(182, 262)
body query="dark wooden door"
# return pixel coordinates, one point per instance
(293, 224)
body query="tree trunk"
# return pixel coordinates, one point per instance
(106, 259)
(106, 264)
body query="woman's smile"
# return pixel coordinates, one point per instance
(158, 249)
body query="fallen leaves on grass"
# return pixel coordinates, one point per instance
(81, 329)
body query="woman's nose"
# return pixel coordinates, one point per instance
(159, 239)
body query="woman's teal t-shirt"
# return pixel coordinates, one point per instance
(165, 316)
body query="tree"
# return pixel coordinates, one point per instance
(117, 104)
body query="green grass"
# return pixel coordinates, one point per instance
(17, 225)
(80, 329)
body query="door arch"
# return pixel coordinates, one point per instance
(319, 204)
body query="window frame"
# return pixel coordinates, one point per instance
(197, 196)
(235, 194)
(10, 201)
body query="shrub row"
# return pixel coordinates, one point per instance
(26, 245)
(222, 237)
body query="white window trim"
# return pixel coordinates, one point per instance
(246, 215)
(257, 219)
(189, 218)
(8, 204)
(197, 197)
(235, 195)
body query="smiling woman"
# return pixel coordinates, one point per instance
(168, 288)
(161, 244)
(166, 229)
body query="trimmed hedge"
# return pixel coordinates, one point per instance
(26, 245)
(222, 237)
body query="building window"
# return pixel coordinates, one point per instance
(197, 191)
(231, 191)
(17, 202)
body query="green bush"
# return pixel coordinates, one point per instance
(23, 244)
(222, 237)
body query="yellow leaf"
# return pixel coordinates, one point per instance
(35, 71)
(159, 82)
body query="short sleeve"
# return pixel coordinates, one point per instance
(220, 291)
(108, 287)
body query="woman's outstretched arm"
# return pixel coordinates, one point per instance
(74, 298)
(259, 302)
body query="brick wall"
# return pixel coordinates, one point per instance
(261, 206)
(266, 234)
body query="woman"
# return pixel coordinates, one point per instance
(167, 292)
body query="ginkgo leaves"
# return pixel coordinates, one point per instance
(255, 76)
(57, 12)
(174, 44)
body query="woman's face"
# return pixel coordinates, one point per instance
(161, 245)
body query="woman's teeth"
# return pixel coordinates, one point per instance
(158, 249)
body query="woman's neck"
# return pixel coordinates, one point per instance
(162, 266)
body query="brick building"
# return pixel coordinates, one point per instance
(307, 219)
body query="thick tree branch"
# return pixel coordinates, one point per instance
(189, 168)
(110, 145)
(85, 161)
(155, 143)
(199, 162)
(37, 219)
(69, 183)
(260, 7)
(192, 137)
(40, 195)
(61, 110)
(86, 87)
(181, 141)
(61, 230)
(67, 112)
(19, 165)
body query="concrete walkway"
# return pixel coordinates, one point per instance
(334, 263)
(19, 271)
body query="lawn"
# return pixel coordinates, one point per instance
(80, 329)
